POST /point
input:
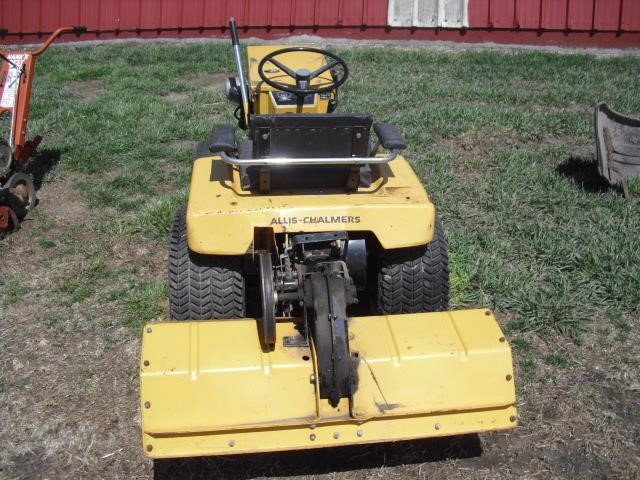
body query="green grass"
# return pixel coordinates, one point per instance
(12, 289)
(503, 143)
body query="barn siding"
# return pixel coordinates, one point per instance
(586, 22)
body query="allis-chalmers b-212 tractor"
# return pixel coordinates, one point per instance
(309, 286)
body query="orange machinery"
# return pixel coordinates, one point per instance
(17, 192)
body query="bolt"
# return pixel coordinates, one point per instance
(312, 378)
(232, 443)
(487, 312)
(312, 426)
(438, 426)
(359, 433)
(147, 404)
(312, 437)
(149, 447)
(509, 377)
(502, 339)
(146, 363)
(149, 330)
(512, 418)
(336, 435)
(358, 135)
(265, 136)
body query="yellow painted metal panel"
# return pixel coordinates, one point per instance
(213, 375)
(383, 429)
(211, 390)
(221, 216)
(426, 363)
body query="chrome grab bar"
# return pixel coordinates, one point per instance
(307, 161)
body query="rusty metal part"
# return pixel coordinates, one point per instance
(21, 186)
(24, 152)
(5, 216)
(17, 197)
(8, 219)
(617, 145)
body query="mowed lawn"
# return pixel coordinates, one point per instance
(502, 141)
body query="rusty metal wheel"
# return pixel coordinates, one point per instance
(21, 187)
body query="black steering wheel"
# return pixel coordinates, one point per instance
(303, 76)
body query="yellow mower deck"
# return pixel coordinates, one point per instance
(207, 388)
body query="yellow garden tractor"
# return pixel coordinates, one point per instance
(309, 286)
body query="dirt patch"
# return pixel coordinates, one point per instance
(318, 41)
(60, 202)
(149, 258)
(575, 411)
(477, 143)
(175, 97)
(472, 148)
(210, 81)
(67, 379)
(87, 90)
(181, 144)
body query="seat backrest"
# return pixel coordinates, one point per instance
(310, 135)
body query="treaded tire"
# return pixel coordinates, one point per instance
(416, 279)
(202, 287)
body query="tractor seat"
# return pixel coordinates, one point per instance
(306, 136)
(310, 135)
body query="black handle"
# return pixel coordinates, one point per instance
(223, 139)
(389, 136)
(78, 29)
(234, 31)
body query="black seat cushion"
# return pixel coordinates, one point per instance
(310, 135)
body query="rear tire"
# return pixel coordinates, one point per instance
(202, 287)
(416, 279)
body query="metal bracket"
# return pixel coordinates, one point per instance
(297, 341)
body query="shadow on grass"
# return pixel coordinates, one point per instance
(319, 461)
(40, 165)
(584, 173)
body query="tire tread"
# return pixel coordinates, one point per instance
(416, 279)
(202, 287)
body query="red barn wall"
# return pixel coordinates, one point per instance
(601, 23)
